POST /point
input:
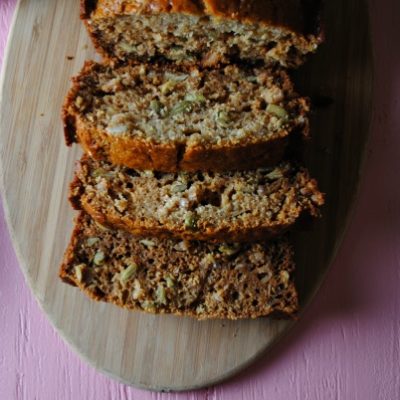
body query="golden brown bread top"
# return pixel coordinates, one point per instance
(296, 15)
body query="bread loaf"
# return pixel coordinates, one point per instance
(167, 118)
(207, 32)
(194, 279)
(230, 206)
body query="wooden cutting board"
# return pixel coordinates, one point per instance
(47, 45)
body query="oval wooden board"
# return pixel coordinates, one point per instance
(161, 353)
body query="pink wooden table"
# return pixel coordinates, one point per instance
(347, 346)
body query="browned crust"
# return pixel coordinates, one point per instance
(69, 253)
(96, 294)
(131, 152)
(296, 15)
(69, 120)
(137, 227)
(144, 155)
(250, 156)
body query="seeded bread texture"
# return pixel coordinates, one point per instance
(230, 206)
(194, 279)
(205, 32)
(167, 118)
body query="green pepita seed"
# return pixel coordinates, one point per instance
(147, 243)
(229, 250)
(275, 174)
(127, 47)
(92, 240)
(278, 111)
(176, 78)
(170, 282)
(156, 106)
(98, 172)
(181, 107)
(161, 297)
(79, 272)
(167, 87)
(127, 273)
(195, 98)
(148, 305)
(190, 221)
(223, 119)
(179, 187)
(252, 79)
(99, 258)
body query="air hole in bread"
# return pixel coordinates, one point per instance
(131, 172)
(209, 197)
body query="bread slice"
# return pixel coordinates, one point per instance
(195, 279)
(210, 32)
(231, 206)
(167, 118)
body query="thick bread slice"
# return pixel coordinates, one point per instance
(167, 118)
(230, 206)
(210, 32)
(185, 278)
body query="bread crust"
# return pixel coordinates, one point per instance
(143, 155)
(295, 15)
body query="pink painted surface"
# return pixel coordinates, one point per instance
(347, 346)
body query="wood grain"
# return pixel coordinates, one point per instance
(147, 351)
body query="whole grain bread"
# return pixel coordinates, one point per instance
(165, 118)
(194, 279)
(209, 32)
(230, 206)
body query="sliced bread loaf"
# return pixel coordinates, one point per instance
(168, 119)
(230, 206)
(195, 279)
(208, 32)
